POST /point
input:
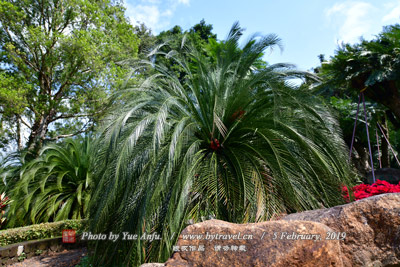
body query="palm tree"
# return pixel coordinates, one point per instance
(9, 175)
(369, 66)
(53, 187)
(10, 166)
(231, 141)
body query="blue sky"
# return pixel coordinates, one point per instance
(307, 28)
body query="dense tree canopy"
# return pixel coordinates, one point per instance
(174, 39)
(57, 64)
(371, 65)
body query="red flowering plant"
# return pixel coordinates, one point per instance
(4, 201)
(365, 190)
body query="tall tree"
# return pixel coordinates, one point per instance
(147, 40)
(200, 34)
(174, 39)
(203, 30)
(373, 66)
(57, 62)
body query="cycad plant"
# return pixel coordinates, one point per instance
(230, 141)
(10, 167)
(55, 186)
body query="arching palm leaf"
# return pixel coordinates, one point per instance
(55, 186)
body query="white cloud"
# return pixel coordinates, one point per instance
(353, 20)
(150, 14)
(394, 14)
(185, 2)
(151, 2)
(155, 14)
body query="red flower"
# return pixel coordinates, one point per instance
(345, 193)
(364, 190)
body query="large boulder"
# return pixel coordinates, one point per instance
(371, 225)
(275, 243)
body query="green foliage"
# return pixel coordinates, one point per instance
(229, 141)
(375, 60)
(22, 257)
(10, 167)
(174, 39)
(147, 40)
(57, 62)
(40, 231)
(346, 110)
(203, 31)
(55, 186)
(85, 262)
(38, 252)
(372, 65)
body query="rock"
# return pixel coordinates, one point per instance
(152, 265)
(372, 227)
(20, 250)
(274, 243)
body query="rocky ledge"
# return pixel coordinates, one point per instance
(361, 233)
(372, 227)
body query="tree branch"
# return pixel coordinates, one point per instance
(24, 123)
(60, 92)
(25, 59)
(68, 116)
(83, 130)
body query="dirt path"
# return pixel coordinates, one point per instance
(67, 258)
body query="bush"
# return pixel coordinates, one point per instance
(85, 262)
(40, 231)
(56, 186)
(364, 190)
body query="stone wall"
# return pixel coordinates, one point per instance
(19, 251)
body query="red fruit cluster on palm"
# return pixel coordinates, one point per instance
(238, 114)
(365, 190)
(214, 144)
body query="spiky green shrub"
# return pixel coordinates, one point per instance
(55, 186)
(40, 231)
(10, 167)
(231, 142)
